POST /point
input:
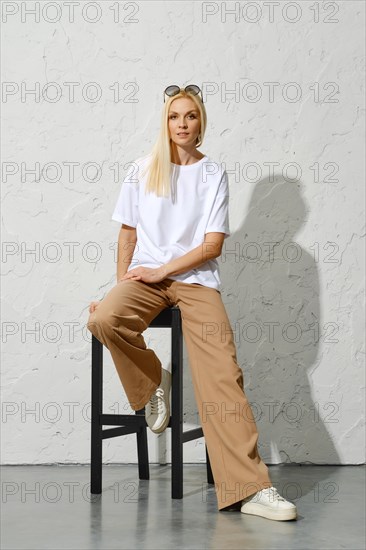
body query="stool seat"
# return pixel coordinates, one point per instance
(169, 317)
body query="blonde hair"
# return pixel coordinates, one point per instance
(159, 167)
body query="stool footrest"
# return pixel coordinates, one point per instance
(135, 420)
(116, 432)
(195, 433)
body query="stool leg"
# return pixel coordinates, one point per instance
(177, 406)
(210, 478)
(97, 407)
(142, 449)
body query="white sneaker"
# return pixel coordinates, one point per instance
(157, 410)
(269, 504)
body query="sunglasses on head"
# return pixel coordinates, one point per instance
(190, 89)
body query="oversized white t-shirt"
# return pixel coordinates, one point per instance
(169, 227)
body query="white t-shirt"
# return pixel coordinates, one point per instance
(169, 227)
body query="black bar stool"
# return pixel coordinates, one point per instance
(136, 423)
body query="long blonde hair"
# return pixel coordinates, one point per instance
(159, 167)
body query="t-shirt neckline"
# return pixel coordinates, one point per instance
(185, 166)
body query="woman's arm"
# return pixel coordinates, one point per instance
(209, 249)
(127, 239)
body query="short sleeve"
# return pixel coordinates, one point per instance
(126, 209)
(219, 216)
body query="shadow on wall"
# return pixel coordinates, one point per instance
(270, 287)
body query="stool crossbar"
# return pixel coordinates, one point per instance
(136, 423)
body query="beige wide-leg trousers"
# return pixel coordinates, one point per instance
(226, 418)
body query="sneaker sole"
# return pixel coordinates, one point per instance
(259, 510)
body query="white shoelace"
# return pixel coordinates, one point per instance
(156, 401)
(272, 491)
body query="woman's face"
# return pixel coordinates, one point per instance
(184, 122)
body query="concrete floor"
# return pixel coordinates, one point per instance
(49, 507)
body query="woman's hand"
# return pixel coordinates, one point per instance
(93, 305)
(145, 274)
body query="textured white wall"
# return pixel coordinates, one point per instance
(305, 379)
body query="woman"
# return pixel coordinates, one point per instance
(173, 207)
